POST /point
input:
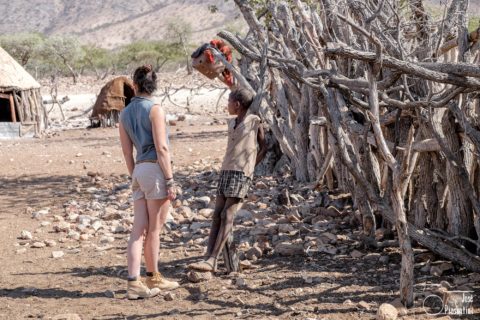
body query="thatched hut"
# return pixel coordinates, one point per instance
(21, 109)
(113, 97)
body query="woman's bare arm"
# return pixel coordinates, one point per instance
(157, 116)
(127, 148)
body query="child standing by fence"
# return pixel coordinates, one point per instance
(241, 157)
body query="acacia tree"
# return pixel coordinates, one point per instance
(158, 52)
(376, 98)
(22, 46)
(180, 32)
(63, 52)
(97, 59)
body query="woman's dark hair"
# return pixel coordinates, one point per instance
(145, 79)
(243, 96)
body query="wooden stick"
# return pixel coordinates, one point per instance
(19, 107)
(12, 108)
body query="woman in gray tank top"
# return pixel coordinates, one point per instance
(143, 128)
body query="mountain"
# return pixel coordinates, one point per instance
(110, 23)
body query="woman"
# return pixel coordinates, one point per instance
(143, 125)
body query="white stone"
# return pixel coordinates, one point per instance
(21, 250)
(207, 212)
(38, 244)
(26, 235)
(57, 218)
(84, 219)
(40, 214)
(57, 254)
(73, 235)
(185, 212)
(107, 239)
(387, 312)
(96, 225)
(50, 243)
(204, 201)
(62, 227)
(169, 296)
(240, 282)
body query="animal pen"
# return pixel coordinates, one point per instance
(21, 109)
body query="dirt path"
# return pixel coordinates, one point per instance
(89, 280)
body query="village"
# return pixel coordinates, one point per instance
(336, 224)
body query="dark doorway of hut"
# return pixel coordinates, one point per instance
(8, 112)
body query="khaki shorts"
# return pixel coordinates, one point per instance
(148, 182)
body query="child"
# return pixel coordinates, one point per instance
(240, 159)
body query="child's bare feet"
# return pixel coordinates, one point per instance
(206, 266)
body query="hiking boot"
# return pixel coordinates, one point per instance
(158, 281)
(137, 289)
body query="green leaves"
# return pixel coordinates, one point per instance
(22, 46)
(65, 55)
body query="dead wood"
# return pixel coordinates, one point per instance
(342, 76)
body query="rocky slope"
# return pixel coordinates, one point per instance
(111, 23)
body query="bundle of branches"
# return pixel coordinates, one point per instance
(376, 98)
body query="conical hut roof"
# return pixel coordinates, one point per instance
(13, 76)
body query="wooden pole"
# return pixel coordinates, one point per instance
(19, 107)
(12, 108)
(43, 109)
(26, 109)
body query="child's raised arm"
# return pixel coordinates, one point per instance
(262, 145)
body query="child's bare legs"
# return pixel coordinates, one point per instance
(226, 226)
(135, 243)
(216, 222)
(157, 215)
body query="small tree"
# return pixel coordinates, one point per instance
(63, 51)
(141, 52)
(180, 32)
(96, 59)
(23, 46)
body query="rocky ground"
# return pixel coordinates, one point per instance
(66, 213)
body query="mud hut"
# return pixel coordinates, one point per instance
(113, 97)
(21, 109)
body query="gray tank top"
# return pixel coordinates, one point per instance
(135, 119)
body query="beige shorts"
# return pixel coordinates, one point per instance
(148, 182)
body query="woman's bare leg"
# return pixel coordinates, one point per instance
(157, 215)
(135, 242)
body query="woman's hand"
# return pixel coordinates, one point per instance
(171, 192)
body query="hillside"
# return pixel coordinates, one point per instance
(110, 23)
